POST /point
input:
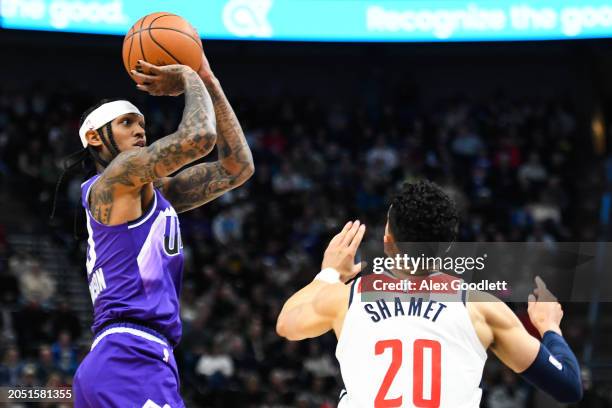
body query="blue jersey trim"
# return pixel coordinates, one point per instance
(353, 285)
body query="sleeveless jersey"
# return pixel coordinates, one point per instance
(409, 349)
(134, 270)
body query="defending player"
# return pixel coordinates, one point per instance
(416, 351)
(134, 255)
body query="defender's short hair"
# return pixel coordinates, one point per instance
(422, 212)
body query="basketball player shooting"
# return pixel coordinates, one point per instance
(134, 256)
(417, 352)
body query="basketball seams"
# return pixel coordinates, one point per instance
(162, 47)
(199, 43)
(129, 58)
(157, 42)
(140, 38)
(152, 21)
(158, 17)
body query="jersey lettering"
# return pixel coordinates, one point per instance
(151, 404)
(97, 284)
(172, 236)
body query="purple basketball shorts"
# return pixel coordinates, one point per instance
(129, 366)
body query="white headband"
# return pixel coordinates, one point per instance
(104, 114)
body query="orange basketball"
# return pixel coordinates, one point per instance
(162, 39)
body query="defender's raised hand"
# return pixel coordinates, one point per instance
(157, 81)
(340, 253)
(544, 311)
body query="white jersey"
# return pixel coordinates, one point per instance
(409, 350)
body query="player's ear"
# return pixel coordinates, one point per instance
(389, 244)
(93, 138)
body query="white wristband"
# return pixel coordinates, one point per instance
(329, 275)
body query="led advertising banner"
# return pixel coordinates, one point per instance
(329, 20)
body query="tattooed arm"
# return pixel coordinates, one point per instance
(202, 183)
(194, 138)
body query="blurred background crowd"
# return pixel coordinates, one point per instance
(520, 168)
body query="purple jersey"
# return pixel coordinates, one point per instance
(135, 269)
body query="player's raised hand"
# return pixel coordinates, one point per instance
(340, 253)
(544, 311)
(165, 80)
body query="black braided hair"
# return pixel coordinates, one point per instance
(79, 158)
(422, 212)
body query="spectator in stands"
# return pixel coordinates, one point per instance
(508, 393)
(287, 180)
(32, 326)
(45, 365)
(532, 174)
(382, 156)
(65, 354)
(28, 376)
(253, 393)
(9, 285)
(594, 397)
(11, 367)
(35, 283)
(64, 319)
(319, 364)
(216, 366)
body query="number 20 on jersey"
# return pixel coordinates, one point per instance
(419, 399)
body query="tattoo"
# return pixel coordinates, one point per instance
(205, 182)
(133, 173)
(159, 184)
(194, 138)
(198, 185)
(233, 148)
(174, 85)
(101, 203)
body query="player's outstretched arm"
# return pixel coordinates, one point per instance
(550, 365)
(314, 309)
(194, 138)
(202, 183)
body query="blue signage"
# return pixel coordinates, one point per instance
(329, 20)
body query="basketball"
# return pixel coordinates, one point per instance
(162, 39)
